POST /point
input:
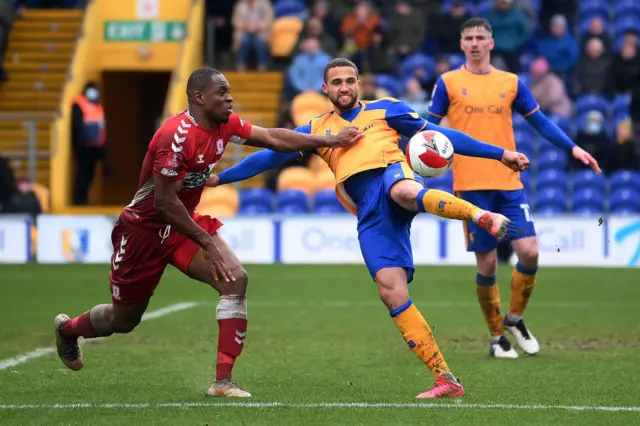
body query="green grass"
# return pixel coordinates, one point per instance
(319, 334)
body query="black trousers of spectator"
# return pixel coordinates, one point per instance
(87, 159)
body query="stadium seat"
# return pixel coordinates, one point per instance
(563, 122)
(626, 8)
(284, 36)
(588, 198)
(256, 199)
(44, 196)
(588, 8)
(552, 178)
(588, 179)
(524, 140)
(550, 209)
(520, 123)
(390, 83)
(552, 159)
(326, 197)
(621, 104)
(317, 164)
(299, 178)
(587, 210)
(329, 209)
(413, 62)
(551, 199)
(626, 24)
(624, 211)
(586, 103)
(292, 198)
(324, 180)
(291, 8)
(625, 179)
(222, 201)
(256, 209)
(456, 61)
(625, 199)
(525, 60)
(308, 105)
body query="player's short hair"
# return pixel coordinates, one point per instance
(339, 62)
(476, 23)
(200, 79)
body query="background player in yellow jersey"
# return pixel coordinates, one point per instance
(478, 100)
(375, 182)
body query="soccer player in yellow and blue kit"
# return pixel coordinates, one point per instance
(374, 181)
(478, 100)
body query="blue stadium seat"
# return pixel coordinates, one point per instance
(625, 24)
(599, 8)
(624, 211)
(587, 179)
(621, 104)
(291, 8)
(551, 199)
(626, 8)
(588, 197)
(324, 198)
(484, 8)
(415, 61)
(564, 123)
(292, 209)
(625, 199)
(552, 178)
(292, 198)
(625, 179)
(525, 60)
(588, 210)
(520, 123)
(260, 197)
(550, 210)
(552, 159)
(586, 103)
(390, 83)
(456, 61)
(328, 209)
(255, 209)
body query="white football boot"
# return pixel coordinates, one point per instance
(502, 348)
(524, 339)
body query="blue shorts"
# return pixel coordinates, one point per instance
(383, 226)
(512, 204)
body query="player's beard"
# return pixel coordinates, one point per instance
(346, 106)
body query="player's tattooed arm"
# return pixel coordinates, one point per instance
(170, 208)
(284, 140)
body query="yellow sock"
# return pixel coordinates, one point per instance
(446, 205)
(489, 299)
(522, 282)
(417, 334)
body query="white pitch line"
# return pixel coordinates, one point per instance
(324, 405)
(37, 353)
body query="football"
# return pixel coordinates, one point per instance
(429, 153)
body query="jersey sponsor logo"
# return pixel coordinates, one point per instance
(368, 127)
(490, 109)
(168, 172)
(196, 180)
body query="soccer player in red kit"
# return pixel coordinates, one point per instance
(160, 226)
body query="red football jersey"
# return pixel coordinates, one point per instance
(181, 149)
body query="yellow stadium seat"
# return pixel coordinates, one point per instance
(308, 105)
(284, 35)
(299, 178)
(43, 194)
(34, 240)
(317, 164)
(324, 179)
(219, 202)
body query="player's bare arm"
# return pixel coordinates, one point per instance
(285, 140)
(169, 206)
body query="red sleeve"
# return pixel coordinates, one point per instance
(170, 157)
(238, 130)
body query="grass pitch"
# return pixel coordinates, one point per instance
(321, 350)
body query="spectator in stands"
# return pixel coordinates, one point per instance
(560, 49)
(596, 30)
(593, 71)
(511, 33)
(593, 138)
(442, 65)
(416, 97)
(406, 30)
(379, 59)
(550, 8)
(221, 13)
(7, 182)
(358, 27)
(370, 89)
(329, 23)
(252, 21)
(6, 20)
(626, 68)
(528, 11)
(307, 69)
(24, 200)
(314, 29)
(625, 154)
(449, 27)
(549, 90)
(89, 139)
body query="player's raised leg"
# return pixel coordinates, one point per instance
(412, 195)
(231, 311)
(523, 280)
(394, 293)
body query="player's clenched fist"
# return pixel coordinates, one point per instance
(347, 137)
(516, 161)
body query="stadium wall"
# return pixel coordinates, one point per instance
(564, 240)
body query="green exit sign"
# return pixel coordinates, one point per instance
(144, 31)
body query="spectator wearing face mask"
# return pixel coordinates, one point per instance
(89, 139)
(593, 138)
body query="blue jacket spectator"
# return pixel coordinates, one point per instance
(306, 72)
(511, 31)
(560, 49)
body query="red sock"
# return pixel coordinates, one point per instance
(231, 337)
(80, 326)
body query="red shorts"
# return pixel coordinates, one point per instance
(141, 255)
